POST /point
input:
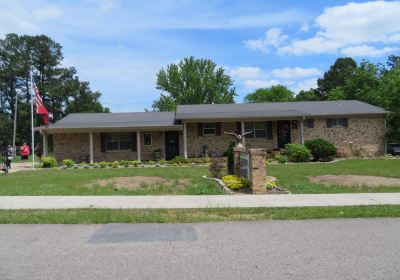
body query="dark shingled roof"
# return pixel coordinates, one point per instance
(275, 110)
(115, 120)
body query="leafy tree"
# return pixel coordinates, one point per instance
(336, 76)
(308, 95)
(193, 81)
(60, 88)
(278, 93)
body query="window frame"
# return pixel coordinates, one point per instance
(144, 139)
(254, 130)
(214, 127)
(337, 123)
(118, 138)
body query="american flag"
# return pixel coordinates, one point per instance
(40, 109)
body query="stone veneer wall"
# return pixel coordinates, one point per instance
(369, 132)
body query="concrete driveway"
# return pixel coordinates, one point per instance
(311, 249)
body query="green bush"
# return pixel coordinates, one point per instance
(235, 182)
(281, 158)
(179, 160)
(230, 155)
(68, 162)
(297, 153)
(321, 149)
(103, 164)
(48, 162)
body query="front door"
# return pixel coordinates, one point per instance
(283, 132)
(171, 144)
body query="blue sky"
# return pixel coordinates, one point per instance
(119, 45)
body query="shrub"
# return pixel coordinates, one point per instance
(179, 160)
(114, 164)
(134, 163)
(281, 158)
(215, 167)
(321, 149)
(68, 162)
(235, 182)
(48, 162)
(297, 153)
(103, 164)
(230, 155)
(163, 161)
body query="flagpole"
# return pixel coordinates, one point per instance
(32, 124)
(15, 125)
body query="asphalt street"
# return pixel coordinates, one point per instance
(311, 249)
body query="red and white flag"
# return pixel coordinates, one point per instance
(40, 109)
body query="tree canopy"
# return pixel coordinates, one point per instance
(278, 93)
(193, 81)
(60, 88)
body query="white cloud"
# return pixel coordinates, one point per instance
(273, 37)
(46, 12)
(296, 72)
(343, 29)
(246, 72)
(106, 5)
(255, 84)
(365, 50)
(304, 85)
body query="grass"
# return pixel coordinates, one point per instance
(100, 216)
(295, 176)
(292, 176)
(75, 181)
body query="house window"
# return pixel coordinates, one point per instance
(118, 141)
(309, 123)
(258, 129)
(337, 122)
(147, 140)
(209, 128)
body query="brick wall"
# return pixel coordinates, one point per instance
(75, 145)
(369, 131)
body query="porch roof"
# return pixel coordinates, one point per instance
(275, 110)
(113, 121)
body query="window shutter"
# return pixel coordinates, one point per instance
(103, 147)
(328, 123)
(134, 142)
(310, 123)
(218, 129)
(345, 122)
(269, 131)
(200, 129)
(238, 127)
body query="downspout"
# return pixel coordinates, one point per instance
(302, 130)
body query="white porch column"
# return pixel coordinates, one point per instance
(91, 146)
(138, 145)
(184, 140)
(302, 131)
(45, 145)
(242, 130)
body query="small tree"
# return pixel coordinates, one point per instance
(230, 154)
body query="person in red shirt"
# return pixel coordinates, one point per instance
(24, 151)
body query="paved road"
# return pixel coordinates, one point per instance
(313, 249)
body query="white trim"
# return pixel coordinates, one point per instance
(91, 146)
(302, 131)
(185, 140)
(138, 145)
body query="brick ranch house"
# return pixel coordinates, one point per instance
(94, 137)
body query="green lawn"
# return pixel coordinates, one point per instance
(295, 176)
(75, 181)
(100, 216)
(292, 176)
